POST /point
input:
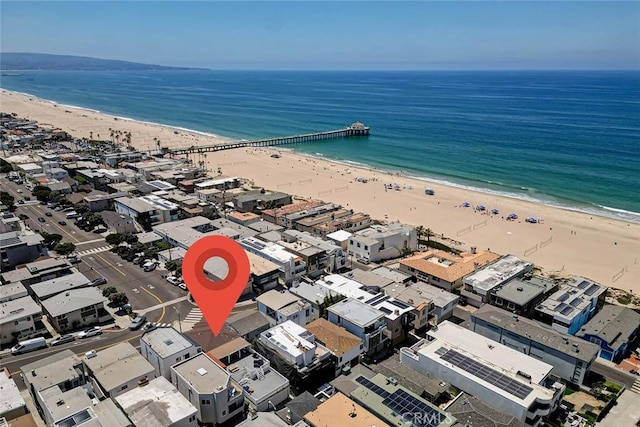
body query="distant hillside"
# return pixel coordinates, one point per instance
(42, 61)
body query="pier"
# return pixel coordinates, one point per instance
(357, 129)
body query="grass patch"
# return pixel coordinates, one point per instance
(612, 387)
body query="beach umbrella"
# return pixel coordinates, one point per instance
(494, 211)
(466, 204)
(481, 208)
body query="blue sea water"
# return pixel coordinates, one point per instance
(570, 139)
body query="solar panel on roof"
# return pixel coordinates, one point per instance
(575, 302)
(561, 307)
(592, 289)
(385, 310)
(485, 373)
(373, 387)
(563, 297)
(399, 304)
(583, 284)
(403, 403)
(566, 311)
(377, 299)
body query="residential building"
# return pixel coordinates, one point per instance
(117, 369)
(295, 409)
(17, 247)
(333, 258)
(345, 348)
(12, 291)
(62, 370)
(291, 266)
(319, 296)
(277, 215)
(612, 329)
(119, 223)
(259, 200)
(20, 319)
(340, 238)
(314, 258)
(220, 183)
(296, 346)
(264, 226)
(57, 173)
(216, 269)
(397, 314)
(570, 357)
(209, 388)
(10, 222)
(479, 284)
(58, 285)
(158, 404)
(522, 295)
(289, 220)
(249, 324)
(37, 271)
(379, 242)
(477, 413)
(99, 202)
(164, 347)
(422, 384)
(264, 273)
(281, 306)
(148, 210)
(396, 405)
(363, 321)
(569, 308)
(393, 274)
(431, 305)
(12, 404)
(243, 218)
(309, 223)
(349, 223)
(75, 309)
(506, 379)
(341, 411)
(443, 269)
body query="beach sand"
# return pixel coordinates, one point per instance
(569, 242)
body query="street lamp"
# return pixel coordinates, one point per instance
(179, 321)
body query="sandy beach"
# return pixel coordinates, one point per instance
(599, 248)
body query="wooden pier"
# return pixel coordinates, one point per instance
(355, 130)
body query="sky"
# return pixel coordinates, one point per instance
(328, 35)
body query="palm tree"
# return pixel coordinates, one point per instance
(112, 134)
(91, 136)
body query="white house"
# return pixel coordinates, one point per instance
(380, 242)
(164, 347)
(282, 306)
(363, 321)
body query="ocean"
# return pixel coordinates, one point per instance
(569, 139)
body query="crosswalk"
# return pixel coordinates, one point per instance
(636, 386)
(92, 251)
(194, 316)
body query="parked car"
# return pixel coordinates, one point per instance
(19, 190)
(99, 281)
(175, 281)
(21, 202)
(182, 286)
(62, 222)
(27, 198)
(28, 345)
(149, 266)
(48, 214)
(62, 339)
(41, 219)
(91, 332)
(137, 322)
(100, 230)
(73, 259)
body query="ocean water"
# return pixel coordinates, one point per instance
(570, 139)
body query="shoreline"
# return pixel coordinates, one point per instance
(588, 208)
(571, 242)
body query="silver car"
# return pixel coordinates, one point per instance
(62, 339)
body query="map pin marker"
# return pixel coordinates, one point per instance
(216, 299)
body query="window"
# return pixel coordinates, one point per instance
(358, 244)
(307, 313)
(511, 306)
(192, 418)
(124, 387)
(366, 248)
(499, 302)
(206, 402)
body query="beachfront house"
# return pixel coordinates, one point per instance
(443, 269)
(363, 321)
(570, 357)
(522, 295)
(612, 329)
(291, 266)
(380, 242)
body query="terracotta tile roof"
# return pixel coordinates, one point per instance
(335, 338)
(296, 207)
(446, 266)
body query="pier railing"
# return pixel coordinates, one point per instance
(355, 130)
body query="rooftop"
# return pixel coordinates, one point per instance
(70, 301)
(19, 308)
(157, 404)
(447, 266)
(227, 349)
(290, 338)
(259, 265)
(11, 397)
(338, 340)
(522, 291)
(496, 273)
(271, 250)
(201, 333)
(573, 298)
(12, 291)
(312, 292)
(412, 380)
(248, 321)
(339, 410)
(419, 293)
(472, 411)
(368, 278)
(276, 300)
(52, 370)
(537, 332)
(264, 226)
(260, 387)
(166, 342)
(203, 374)
(392, 274)
(117, 365)
(356, 312)
(137, 204)
(613, 324)
(339, 236)
(49, 288)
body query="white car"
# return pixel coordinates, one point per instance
(19, 190)
(182, 286)
(175, 281)
(91, 332)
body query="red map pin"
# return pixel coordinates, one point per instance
(216, 299)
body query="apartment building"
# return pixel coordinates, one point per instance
(380, 242)
(164, 347)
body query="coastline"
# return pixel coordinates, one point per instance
(569, 241)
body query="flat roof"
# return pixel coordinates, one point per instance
(356, 312)
(522, 292)
(496, 273)
(414, 381)
(248, 321)
(260, 266)
(73, 401)
(537, 332)
(368, 278)
(338, 410)
(261, 387)
(271, 250)
(573, 298)
(117, 365)
(264, 226)
(202, 373)
(447, 266)
(166, 342)
(290, 338)
(60, 284)
(12, 290)
(148, 237)
(157, 404)
(312, 292)
(337, 339)
(420, 291)
(19, 308)
(276, 300)
(392, 273)
(11, 397)
(476, 413)
(73, 300)
(137, 204)
(227, 349)
(339, 236)
(52, 370)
